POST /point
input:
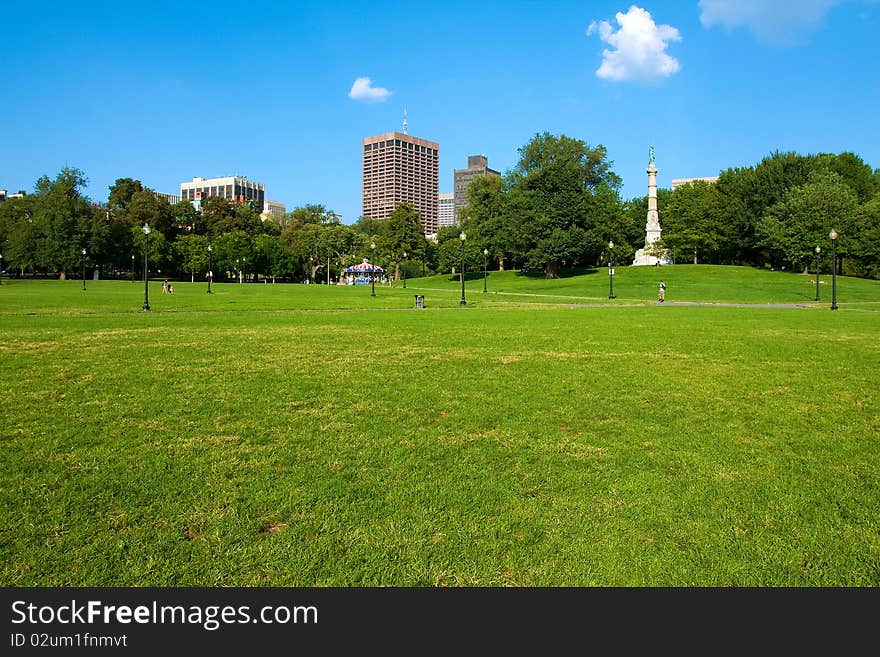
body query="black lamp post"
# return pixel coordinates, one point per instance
(244, 270)
(818, 251)
(462, 237)
(1, 268)
(83, 265)
(373, 270)
(404, 270)
(210, 273)
(833, 236)
(132, 267)
(611, 269)
(146, 230)
(485, 264)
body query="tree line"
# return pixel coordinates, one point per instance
(560, 207)
(47, 232)
(557, 209)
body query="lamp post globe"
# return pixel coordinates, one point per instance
(404, 270)
(210, 272)
(83, 265)
(818, 251)
(373, 269)
(611, 269)
(146, 230)
(462, 237)
(833, 236)
(485, 263)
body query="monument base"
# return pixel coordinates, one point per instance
(643, 258)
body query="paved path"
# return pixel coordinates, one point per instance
(692, 303)
(731, 305)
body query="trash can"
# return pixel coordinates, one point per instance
(420, 301)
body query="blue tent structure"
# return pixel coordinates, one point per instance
(365, 267)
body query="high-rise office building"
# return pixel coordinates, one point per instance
(399, 168)
(447, 209)
(478, 165)
(232, 188)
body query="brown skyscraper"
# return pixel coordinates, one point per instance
(399, 168)
(478, 165)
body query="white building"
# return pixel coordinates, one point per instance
(232, 188)
(4, 195)
(678, 182)
(447, 209)
(171, 198)
(273, 210)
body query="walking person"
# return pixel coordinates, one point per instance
(661, 294)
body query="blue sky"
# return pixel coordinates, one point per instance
(164, 91)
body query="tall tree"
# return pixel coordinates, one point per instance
(339, 246)
(145, 208)
(121, 193)
(551, 204)
(66, 221)
(191, 253)
(232, 253)
(402, 233)
(691, 220)
(305, 243)
(865, 250)
(485, 217)
(793, 227)
(187, 218)
(313, 213)
(18, 233)
(271, 258)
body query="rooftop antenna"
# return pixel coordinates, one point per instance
(405, 126)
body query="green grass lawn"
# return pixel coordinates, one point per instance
(294, 435)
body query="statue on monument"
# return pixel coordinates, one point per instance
(651, 154)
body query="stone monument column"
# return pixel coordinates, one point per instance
(652, 227)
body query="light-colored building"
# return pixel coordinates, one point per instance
(275, 210)
(171, 198)
(4, 195)
(678, 182)
(478, 165)
(232, 188)
(399, 168)
(447, 209)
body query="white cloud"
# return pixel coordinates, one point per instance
(363, 89)
(639, 47)
(778, 21)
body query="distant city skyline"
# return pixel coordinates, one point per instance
(286, 97)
